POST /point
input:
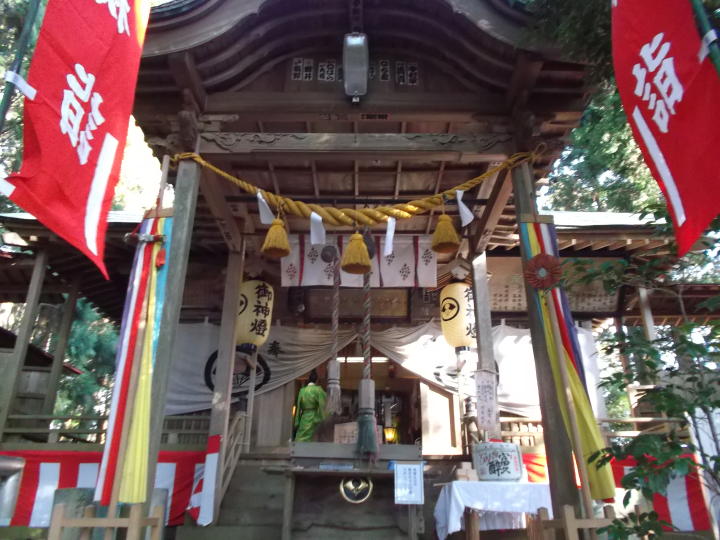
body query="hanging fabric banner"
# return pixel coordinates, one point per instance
(131, 399)
(84, 71)
(290, 352)
(539, 243)
(669, 93)
(412, 263)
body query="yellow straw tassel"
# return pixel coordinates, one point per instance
(356, 259)
(276, 244)
(445, 238)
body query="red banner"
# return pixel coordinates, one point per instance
(669, 89)
(84, 72)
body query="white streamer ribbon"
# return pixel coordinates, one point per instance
(317, 230)
(21, 84)
(466, 216)
(389, 237)
(710, 37)
(266, 215)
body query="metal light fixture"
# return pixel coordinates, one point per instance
(356, 62)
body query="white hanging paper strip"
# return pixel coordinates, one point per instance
(710, 37)
(389, 235)
(317, 230)
(412, 263)
(466, 216)
(266, 214)
(21, 84)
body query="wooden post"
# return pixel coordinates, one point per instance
(186, 190)
(60, 347)
(557, 444)
(646, 314)
(222, 396)
(12, 364)
(486, 372)
(472, 525)
(288, 503)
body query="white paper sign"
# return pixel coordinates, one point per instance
(409, 486)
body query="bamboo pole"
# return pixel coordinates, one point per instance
(22, 45)
(705, 27)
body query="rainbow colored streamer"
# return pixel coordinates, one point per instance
(131, 402)
(563, 346)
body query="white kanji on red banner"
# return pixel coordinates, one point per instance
(84, 71)
(665, 91)
(77, 101)
(119, 10)
(669, 91)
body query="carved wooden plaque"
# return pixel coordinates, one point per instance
(386, 303)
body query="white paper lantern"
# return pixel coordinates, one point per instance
(254, 312)
(457, 315)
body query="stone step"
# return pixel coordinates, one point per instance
(220, 532)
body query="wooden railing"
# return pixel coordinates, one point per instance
(235, 445)
(52, 429)
(528, 432)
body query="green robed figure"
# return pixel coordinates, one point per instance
(310, 410)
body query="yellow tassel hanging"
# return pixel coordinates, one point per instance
(445, 238)
(356, 259)
(276, 244)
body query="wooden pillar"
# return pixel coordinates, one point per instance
(222, 396)
(12, 364)
(646, 314)
(557, 443)
(60, 348)
(186, 190)
(486, 373)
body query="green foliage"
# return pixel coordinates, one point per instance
(91, 348)
(580, 29)
(635, 525)
(602, 168)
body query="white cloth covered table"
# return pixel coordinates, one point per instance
(501, 504)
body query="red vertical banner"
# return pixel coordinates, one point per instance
(669, 89)
(84, 72)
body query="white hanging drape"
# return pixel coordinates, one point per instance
(291, 352)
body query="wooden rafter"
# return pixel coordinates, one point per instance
(502, 190)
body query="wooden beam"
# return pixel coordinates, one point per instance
(11, 365)
(523, 80)
(501, 192)
(63, 334)
(213, 189)
(392, 107)
(486, 372)
(563, 489)
(412, 146)
(185, 73)
(186, 191)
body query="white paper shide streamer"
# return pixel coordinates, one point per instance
(266, 214)
(317, 230)
(21, 84)
(389, 237)
(466, 216)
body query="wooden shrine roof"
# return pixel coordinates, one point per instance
(452, 81)
(581, 235)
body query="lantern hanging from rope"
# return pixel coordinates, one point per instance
(254, 312)
(457, 315)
